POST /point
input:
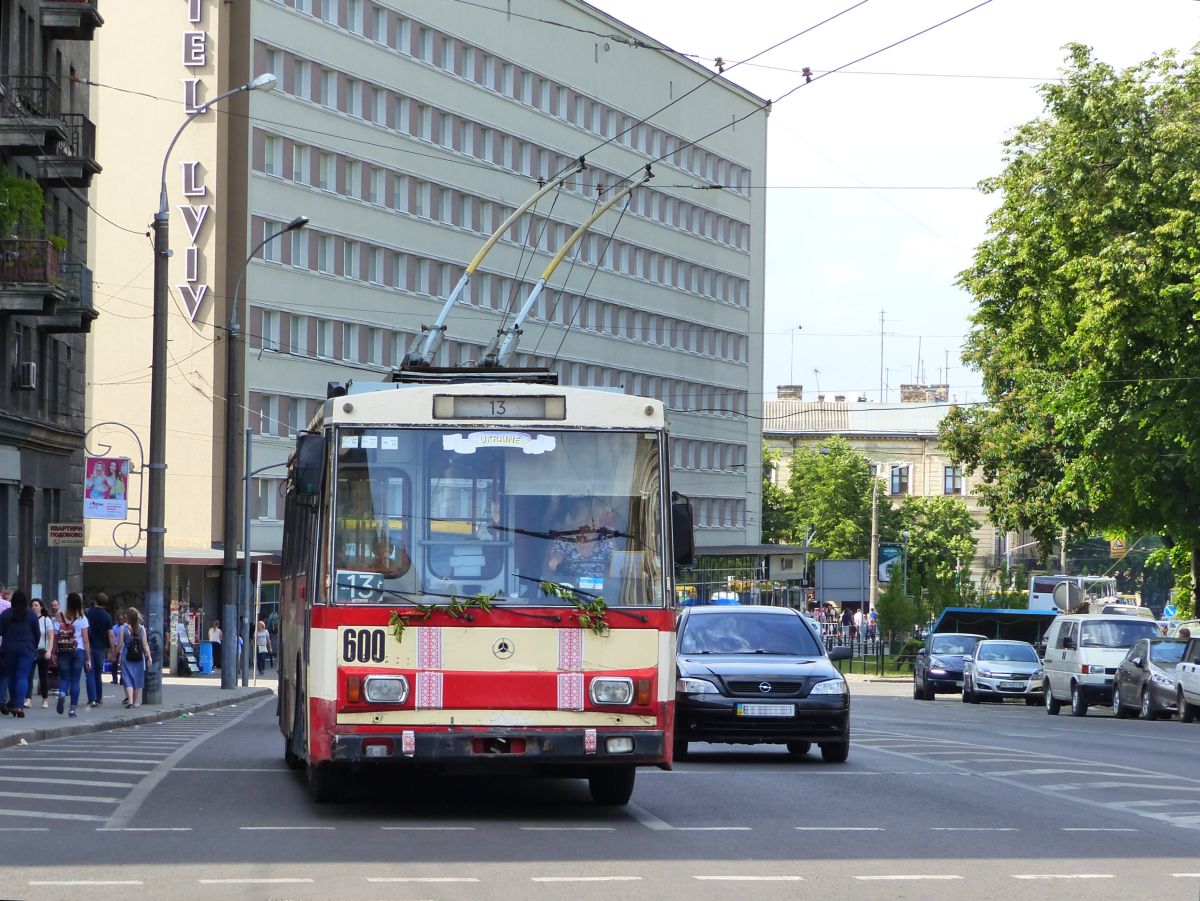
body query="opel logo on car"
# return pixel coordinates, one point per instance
(764, 687)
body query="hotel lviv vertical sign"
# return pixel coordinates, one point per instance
(196, 49)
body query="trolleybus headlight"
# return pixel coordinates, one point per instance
(612, 691)
(385, 689)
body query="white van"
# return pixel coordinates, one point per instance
(1083, 652)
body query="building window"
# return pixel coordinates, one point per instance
(324, 346)
(299, 250)
(300, 173)
(375, 186)
(303, 78)
(271, 250)
(952, 480)
(375, 265)
(900, 479)
(329, 88)
(354, 16)
(272, 155)
(325, 254)
(298, 339)
(351, 267)
(354, 179)
(349, 348)
(325, 166)
(267, 499)
(270, 330)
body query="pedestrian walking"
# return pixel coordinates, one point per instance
(71, 652)
(19, 631)
(262, 646)
(115, 636)
(847, 623)
(215, 635)
(135, 657)
(100, 624)
(41, 660)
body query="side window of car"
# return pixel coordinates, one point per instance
(1063, 631)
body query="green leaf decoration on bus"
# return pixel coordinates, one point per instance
(589, 611)
(457, 608)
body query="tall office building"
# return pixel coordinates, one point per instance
(47, 160)
(407, 132)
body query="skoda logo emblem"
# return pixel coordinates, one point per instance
(764, 687)
(503, 648)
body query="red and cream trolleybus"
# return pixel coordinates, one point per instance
(477, 576)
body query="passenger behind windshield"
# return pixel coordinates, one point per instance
(1018, 653)
(747, 633)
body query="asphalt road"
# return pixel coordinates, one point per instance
(938, 798)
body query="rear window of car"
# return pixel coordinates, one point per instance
(952, 644)
(1115, 633)
(740, 632)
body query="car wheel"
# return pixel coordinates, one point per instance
(835, 752)
(612, 786)
(1120, 711)
(1052, 704)
(918, 690)
(966, 695)
(291, 757)
(1078, 707)
(1187, 712)
(1148, 712)
(799, 748)
(929, 692)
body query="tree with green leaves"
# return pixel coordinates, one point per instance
(778, 510)
(1087, 325)
(894, 612)
(941, 536)
(831, 493)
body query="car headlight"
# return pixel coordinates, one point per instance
(830, 687)
(695, 687)
(1162, 679)
(1036, 674)
(937, 669)
(608, 690)
(983, 671)
(385, 689)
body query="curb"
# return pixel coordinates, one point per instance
(34, 735)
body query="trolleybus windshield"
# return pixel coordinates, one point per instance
(424, 515)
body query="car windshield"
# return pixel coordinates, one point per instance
(952, 644)
(1018, 653)
(746, 632)
(1116, 633)
(1167, 653)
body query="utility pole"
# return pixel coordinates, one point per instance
(873, 594)
(881, 398)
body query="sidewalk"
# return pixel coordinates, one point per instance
(181, 695)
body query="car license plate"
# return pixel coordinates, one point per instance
(766, 709)
(1014, 686)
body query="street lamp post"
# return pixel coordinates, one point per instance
(874, 592)
(245, 592)
(233, 408)
(157, 481)
(905, 535)
(792, 356)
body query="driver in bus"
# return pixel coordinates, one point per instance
(583, 550)
(386, 557)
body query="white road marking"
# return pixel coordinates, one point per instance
(421, 879)
(49, 815)
(287, 828)
(713, 829)
(86, 882)
(972, 828)
(907, 877)
(428, 828)
(568, 828)
(143, 828)
(750, 878)
(89, 783)
(74, 799)
(231, 769)
(24, 828)
(281, 880)
(1186, 875)
(840, 828)
(585, 878)
(1063, 876)
(91, 769)
(128, 808)
(1097, 829)
(647, 819)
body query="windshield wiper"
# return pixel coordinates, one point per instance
(586, 595)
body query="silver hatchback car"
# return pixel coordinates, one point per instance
(1003, 669)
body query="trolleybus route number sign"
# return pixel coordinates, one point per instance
(363, 646)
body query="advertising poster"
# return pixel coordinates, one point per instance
(891, 559)
(106, 488)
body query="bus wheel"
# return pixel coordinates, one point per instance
(293, 760)
(324, 782)
(612, 786)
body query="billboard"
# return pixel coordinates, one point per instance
(890, 556)
(106, 488)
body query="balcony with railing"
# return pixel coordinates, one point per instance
(31, 120)
(76, 311)
(74, 164)
(70, 20)
(30, 283)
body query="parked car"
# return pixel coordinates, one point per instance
(938, 668)
(1192, 625)
(759, 675)
(1083, 651)
(1146, 680)
(1002, 669)
(1187, 694)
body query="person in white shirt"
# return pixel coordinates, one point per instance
(215, 635)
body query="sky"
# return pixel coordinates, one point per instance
(871, 171)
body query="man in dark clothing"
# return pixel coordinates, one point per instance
(99, 639)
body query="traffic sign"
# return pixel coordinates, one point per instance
(1116, 548)
(1169, 611)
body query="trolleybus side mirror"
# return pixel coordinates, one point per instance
(682, 530)
(309, 466)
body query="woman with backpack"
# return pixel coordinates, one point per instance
(72, 652)
(46, 632)
(19, 629)
(135, 657)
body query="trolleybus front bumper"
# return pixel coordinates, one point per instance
(534, 749)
